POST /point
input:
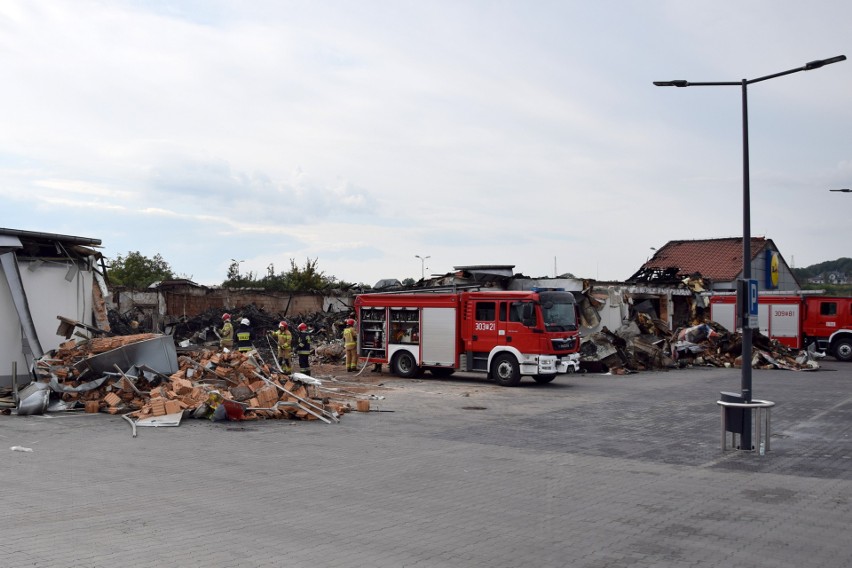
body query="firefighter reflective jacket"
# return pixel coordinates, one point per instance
(284, 339)
(244, 338)
(303, 343)
(349, 337)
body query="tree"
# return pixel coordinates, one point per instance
(138, 271)
(307, 278)
(298, 279)
(237, 279)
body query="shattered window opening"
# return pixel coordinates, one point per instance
(828, 309)
(485, 311)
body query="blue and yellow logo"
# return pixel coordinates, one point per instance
(772, 269)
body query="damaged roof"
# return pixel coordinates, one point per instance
(720, 260)
(37, 244)
(486, 272)
(37, 235)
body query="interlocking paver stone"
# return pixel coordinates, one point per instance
(589, 471)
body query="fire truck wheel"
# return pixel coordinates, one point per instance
(505, 371)
(544, 379)
(404, 365)
(843, 350)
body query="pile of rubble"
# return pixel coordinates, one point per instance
(206, 383)
(324, 326)
(201, 331)
(646, 343)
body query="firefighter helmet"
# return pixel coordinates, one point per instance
(283, 324)
(350, 321)
(245, 321)
(303, 326)
(226, 317)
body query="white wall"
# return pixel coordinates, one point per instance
(10, 333)
(49, 295)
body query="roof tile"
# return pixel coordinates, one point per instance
(716, 259)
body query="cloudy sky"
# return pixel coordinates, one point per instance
(362, 133)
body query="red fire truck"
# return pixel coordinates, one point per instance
(797, 321)
(505, 334)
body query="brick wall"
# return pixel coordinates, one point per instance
(191, 300)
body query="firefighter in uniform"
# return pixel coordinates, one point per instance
(226, 334)
(303, 348)
(284, 339)
(350, 341)
(244, 336)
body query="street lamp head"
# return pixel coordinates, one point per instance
(844, 190)
(676, 83)
(822, 62)
(422, 264)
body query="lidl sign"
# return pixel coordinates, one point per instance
(772, 266)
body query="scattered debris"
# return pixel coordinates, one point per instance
(201, 331)
(33, 399)
(645, 344)
(67, 327)
(149, 381)
(204, 383)
(331, 352)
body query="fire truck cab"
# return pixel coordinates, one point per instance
(506, 334)
(827, 321)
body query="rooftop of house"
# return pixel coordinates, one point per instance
(717, 259)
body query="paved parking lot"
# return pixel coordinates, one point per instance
(589, 471)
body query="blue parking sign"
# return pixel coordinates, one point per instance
(752, 303)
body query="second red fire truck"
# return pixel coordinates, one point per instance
(506, 334)
(797, 321)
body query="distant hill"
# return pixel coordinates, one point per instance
(833, 276)
(841, 265)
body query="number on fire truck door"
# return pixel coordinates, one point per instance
(784, 320)
(485, 331)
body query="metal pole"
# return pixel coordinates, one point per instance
(743, 291)
(747, 331)
(422, 265)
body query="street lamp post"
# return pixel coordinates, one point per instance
(743, 300)
(238, 263)
(422, 265)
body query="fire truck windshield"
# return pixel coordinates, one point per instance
(559, 311)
